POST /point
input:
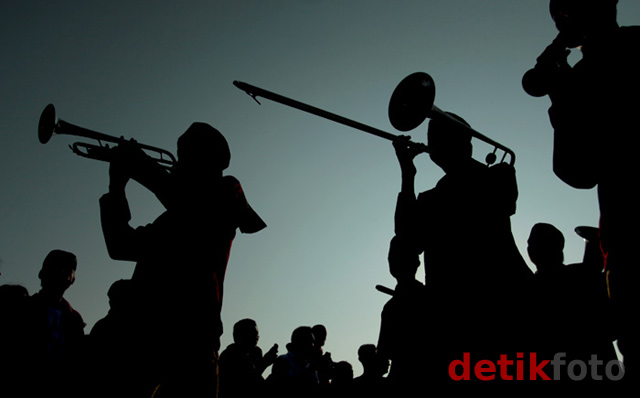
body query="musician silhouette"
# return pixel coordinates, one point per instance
(405, 336)
(593, 114)
(462, 226)
(553, 291)
(570, 300)
(181, 257)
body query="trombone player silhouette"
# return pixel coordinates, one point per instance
(594, 107)
(475, 277)
(181, 257)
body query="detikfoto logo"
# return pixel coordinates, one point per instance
(577, 370)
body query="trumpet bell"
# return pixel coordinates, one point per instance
(47, 124)
(412, 101)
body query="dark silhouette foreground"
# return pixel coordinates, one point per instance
(181, 258)
(593, 114)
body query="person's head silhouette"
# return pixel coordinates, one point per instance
(120, 294)
(58, 272)
(449, 143)
(545, 247)
(579, 19)
(403, 260)
(202, 151)
(372, 362)
(302, 342)
(320, 335)
(245, 333)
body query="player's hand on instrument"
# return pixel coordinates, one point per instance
(126, 158)
(405, 153)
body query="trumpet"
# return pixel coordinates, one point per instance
(410, 104)
(49, 125)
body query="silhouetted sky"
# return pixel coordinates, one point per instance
(147, 70)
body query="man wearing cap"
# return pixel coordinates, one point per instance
(181, 257)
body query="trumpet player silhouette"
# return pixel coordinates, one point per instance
(181, 257)
(594, 117)
(475, 277)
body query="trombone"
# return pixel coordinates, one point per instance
(410, 104)
(49, 125)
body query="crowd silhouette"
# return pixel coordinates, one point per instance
(478, 301)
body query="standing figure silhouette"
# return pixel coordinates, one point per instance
(593, 113)
(462, 226)
(181, 257)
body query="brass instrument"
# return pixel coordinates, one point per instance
(410, 104)
(254, 92)
(50, 125)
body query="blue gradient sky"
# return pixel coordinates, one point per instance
(147, 70)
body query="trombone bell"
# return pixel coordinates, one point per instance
(412, 102)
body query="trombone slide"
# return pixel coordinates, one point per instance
(254, 92)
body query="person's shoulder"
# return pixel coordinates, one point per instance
(501, 170)
(256, 351)
(285, 359)
(633, 30)
(231, 184)
(425, 196)
(73, 313)
(100, 326)
(358, 381)
(629, 37)
(35, 301)
(282, 362)
(230, 180)
(228, 352)
(230, 348)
